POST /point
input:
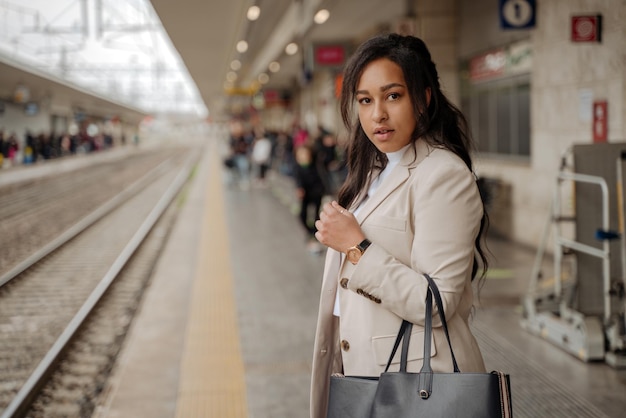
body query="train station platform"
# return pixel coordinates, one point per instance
(226, 327)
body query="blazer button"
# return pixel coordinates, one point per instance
(343, 283)
(359, 292)
(377, 300)
(345, 345)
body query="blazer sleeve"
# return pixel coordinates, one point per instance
(445, 214)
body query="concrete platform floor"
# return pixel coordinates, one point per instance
(275, 290)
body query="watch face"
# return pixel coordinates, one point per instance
(353, 255)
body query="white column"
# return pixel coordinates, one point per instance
(436, 24)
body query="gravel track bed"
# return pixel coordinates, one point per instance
(75, 388)
(36, 212)
(37, 306)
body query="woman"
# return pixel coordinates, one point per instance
(410, 205)
(310, 191)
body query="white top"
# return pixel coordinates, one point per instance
(262, 150)
(393, 158)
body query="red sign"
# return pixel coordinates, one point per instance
(600, 121)
(330, 54)
(271, 96)
(489, 65)
(274, 98)
(586, 28)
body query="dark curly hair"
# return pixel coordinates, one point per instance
(441, 123)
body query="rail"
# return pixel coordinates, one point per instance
(25, 396)
(81, 225)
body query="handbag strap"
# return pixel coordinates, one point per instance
(432, 286)
(404, 355)
(425, 384)
(404, 333)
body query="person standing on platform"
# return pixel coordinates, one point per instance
(240, 150)
(327, 160)
(300, 137)
(261, 156)
(409, 206)
(310, 191)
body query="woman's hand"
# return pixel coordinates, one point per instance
(337, 228)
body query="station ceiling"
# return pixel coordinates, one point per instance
(205, 33)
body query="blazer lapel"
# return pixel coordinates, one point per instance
(397, 177)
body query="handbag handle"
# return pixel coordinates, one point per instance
(404, 333)
(425, 385)
(432, 287)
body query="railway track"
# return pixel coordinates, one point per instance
(65, 308)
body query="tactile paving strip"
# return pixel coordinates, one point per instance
(212, 380)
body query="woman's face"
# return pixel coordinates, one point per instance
(385, 108)
(303, 156)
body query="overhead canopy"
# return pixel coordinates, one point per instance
(206, 33)
(62, 97)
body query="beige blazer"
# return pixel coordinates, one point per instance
(424, 218)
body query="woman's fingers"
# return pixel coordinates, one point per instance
(336, 227)
(338, 207)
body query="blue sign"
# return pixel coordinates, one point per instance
(517, 14)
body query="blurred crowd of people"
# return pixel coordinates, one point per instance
(46, 146)
(314, 162)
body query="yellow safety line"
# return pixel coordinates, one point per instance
(212, 379)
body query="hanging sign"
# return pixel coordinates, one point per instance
(487, 66)
(330, 55)
(511, 60)
(517, 14)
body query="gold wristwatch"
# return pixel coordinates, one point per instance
(353, 254)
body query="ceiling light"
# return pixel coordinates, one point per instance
(291, 48)
(253, 13)
(321, 16)
(235, 65)
(242, 46)
(263, 78)
(274, 66)
(231, 76)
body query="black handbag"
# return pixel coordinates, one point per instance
(424, 394)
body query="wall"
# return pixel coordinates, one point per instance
(14, 119)
(318, 105)
(437, 26)
(562, 73)
(479, 28)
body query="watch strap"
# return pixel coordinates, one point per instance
(362, 246)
